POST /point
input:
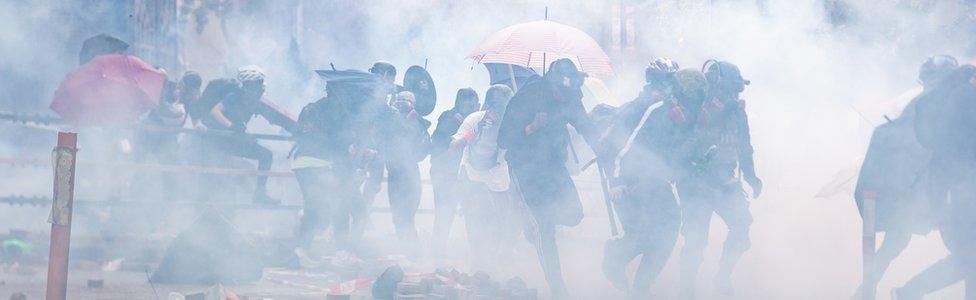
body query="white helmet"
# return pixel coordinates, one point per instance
(250, 73)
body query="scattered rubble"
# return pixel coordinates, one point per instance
(447, 283)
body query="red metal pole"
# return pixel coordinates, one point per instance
(64, 185)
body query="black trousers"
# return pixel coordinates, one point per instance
(330, 199)
(651, 219)
(403, 190)
(551, 197)
(246, 148)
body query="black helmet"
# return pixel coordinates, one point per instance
(566, 68)
(659, 69)
(935, 68)
(383, 68)
(724, 75)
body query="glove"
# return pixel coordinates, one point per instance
(756, 184)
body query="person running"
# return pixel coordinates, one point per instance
(636, 148)
(535, 135)
(233, 113)
(488, 205)
(444, 163)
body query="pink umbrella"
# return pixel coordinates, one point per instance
(108, 90)
(537, 43)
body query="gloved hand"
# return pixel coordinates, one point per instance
(617, 192)
(756, 184)
(540, 121)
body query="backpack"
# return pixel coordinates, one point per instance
(482, 160)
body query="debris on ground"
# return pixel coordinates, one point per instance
(385, 286)
(216, 292)
(447, 283)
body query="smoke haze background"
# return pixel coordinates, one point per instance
(810, 83)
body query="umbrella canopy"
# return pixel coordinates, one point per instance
(537, 43)
(360, 84)
(504, 73)
(108, 90)
(100, 45)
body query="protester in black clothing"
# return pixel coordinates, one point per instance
(717, 157)
(234, 111)
(198, 109)
(635, 150)
(944, 124)
(189, 87)
(893, 174)
(325, 165)
(535, 135)
(375, 169)
(444, 164)
(405, 142)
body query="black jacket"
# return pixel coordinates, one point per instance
(325, 132)
(443, 160)
(546, 146)
(404, 139)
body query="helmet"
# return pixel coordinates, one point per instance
(660, 68)
(724, 75)
(191, 80)
(250, 73)
(383, 68)
(498, 95)
(936, 67)
(692, 86)
(565, 67)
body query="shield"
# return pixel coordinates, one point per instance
(418, 81)
(109, 90)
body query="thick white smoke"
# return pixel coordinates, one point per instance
(810, 83)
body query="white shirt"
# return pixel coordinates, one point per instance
(495, 178)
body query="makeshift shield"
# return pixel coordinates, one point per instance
(418, 81)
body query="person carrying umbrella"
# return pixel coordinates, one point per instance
(234, 111)
(535, 134)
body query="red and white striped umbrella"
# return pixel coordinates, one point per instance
(537, 43)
